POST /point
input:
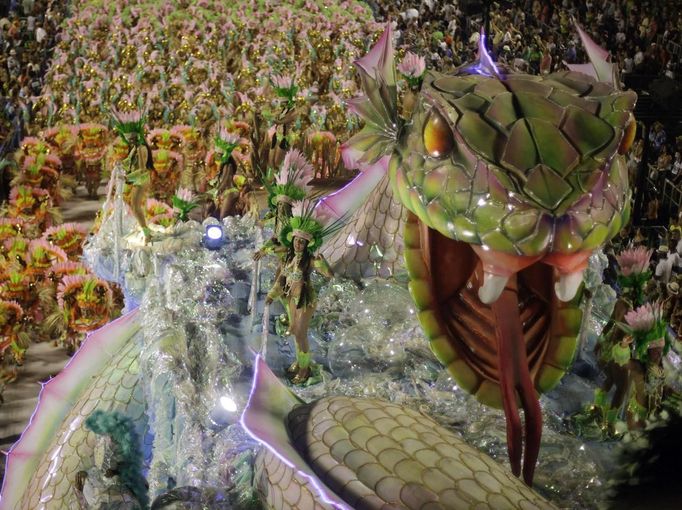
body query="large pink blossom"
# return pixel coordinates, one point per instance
(283, 82)
(227, 136)
(633, 260)
(645, 317)
(184, 194)
(412, 65)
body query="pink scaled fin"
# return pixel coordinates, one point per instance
(599, 67)
(347, 200)
(264, 419)
(56, 399)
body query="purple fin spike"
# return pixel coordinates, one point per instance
(599, 67)
(354, 194)
(380, 60)
(378, 106)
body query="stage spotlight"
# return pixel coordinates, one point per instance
(214, 237)
(228, 404)
(223, 414)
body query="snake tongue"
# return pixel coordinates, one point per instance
(516, 385)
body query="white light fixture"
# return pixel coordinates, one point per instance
(228, 404)
(214, 237)
(214, 232)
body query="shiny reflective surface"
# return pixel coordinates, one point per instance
(438, 138)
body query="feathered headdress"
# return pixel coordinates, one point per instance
(85, 285)
(225, 144)
(10, 227)
(10, 312)
(67, 268)
(292, 181)
(129, 123)
(43, 254)
(305, 225)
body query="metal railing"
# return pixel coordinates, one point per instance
(674, 47)
(671, 197)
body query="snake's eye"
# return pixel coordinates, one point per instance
(438, 137)
(628, 136)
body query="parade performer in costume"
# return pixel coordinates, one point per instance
(614, 347)
(130, 126)
(13, 337)
(63, 140)
(303, 236)
(649, 330)
(85, 304)
(221, 170)
(91, 154)
(193, 153)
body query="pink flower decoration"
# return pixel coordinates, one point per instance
(644, 318)
(283, 82)
(412, 65)
(226, 136)
(184, 194)
(633, 260)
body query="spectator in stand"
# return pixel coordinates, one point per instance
(27, 31)
(663, 165)
(638, 59)
(634, 159)
(617, 25)
(652, 210)
(657, 138)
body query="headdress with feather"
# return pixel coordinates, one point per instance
(225, 144)
(129, 123)
(305, 225)
(292, 181)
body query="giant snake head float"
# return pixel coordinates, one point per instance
(511, 182)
